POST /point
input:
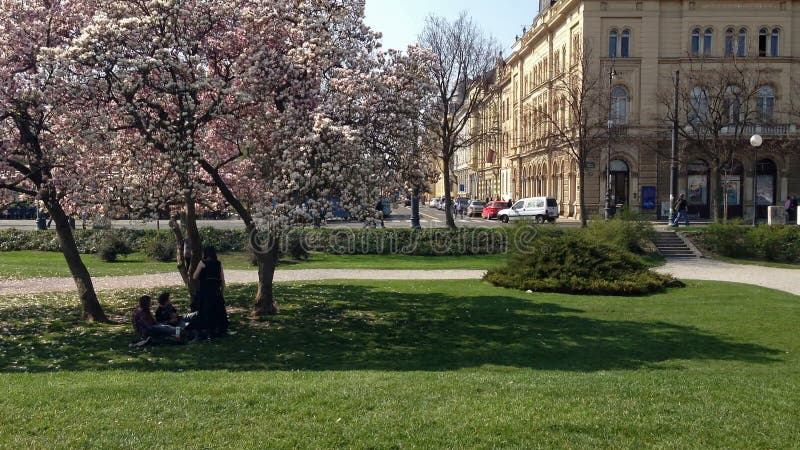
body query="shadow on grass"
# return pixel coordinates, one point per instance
(343, 326)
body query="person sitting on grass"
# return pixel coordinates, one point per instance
(166, 312)
(146, 327)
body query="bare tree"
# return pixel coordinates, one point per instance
(462, 59)
(575, 121)
(717, 110)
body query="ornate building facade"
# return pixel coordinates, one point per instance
(636, 47)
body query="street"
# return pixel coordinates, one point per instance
(400, 218)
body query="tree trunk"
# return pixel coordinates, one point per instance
(194, 241)
(716, 197)
(415, 209)
(183, 267)
(582, 192)
(92, 310)
(448, 206)
(265, 303)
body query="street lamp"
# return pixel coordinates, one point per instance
(756, 142)
(609, 208)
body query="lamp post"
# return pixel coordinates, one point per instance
(609, 208)
(673, 173)
(756, 142)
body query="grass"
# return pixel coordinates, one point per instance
(446, 364)
(29, 264)
(756, 262)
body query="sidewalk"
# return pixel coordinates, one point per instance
(786, 280)
(37, 285)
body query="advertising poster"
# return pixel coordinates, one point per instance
(697, 193)
(764, 190)
(732, 188)
(648, 197)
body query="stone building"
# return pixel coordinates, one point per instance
(635, 48)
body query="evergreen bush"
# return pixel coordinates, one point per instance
(161, 247)
(572, 263)
(112, 245)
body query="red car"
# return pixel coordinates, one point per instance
(491, 209)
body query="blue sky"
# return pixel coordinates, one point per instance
(400, 21)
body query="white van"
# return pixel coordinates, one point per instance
(533, 208)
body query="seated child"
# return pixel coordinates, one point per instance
(166, 312)
(145, 325)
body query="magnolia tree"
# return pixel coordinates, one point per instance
(264, 101)
(167, 72)
(41, 156)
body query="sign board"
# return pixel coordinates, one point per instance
(648, 197)
(590, 165)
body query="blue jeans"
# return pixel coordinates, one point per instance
(161, 330)
(678, 216)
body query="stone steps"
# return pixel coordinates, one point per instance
(670, 245)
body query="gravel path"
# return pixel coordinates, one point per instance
(787, 280)
(34, 285)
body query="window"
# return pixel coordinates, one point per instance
(619, 106)
(762, 42)
(741, 49)
(699, 105)
(765, 104)
(696, 42)
(773, 46)
(612, 44)
(707, 38)
(732, 105)
(729, 42)
(625, 50)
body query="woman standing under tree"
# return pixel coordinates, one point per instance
(209, 301)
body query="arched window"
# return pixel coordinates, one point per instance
(765, 104)
(695, 42)
(741, 48)
(762, 42)
(707, 38)
(612, 44)
(625, 50)
(699, 105)
(733, 104)
(619, 106)
(774, 46)
(729, 42)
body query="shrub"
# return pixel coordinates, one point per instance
(112, 245)
(771, 243)
(626, 231)
(572, 263)
(161, 247)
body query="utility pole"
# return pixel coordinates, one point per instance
(673, 176)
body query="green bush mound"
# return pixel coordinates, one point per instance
(161, 247)
(574, 264)
(778, 243)
(111, 245)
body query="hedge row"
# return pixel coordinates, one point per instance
(463, 241)
(779, 243)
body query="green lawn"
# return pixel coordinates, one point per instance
(446, 364)
(28, 264)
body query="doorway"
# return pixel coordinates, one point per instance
(620, 176)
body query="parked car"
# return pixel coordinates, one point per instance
(434, 203)
(475, 208)
(491, 209)
(442, 203)
(534, 208)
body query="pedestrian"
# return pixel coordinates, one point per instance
(460, 207)
(510, 203)
(379, 211)
(209, 302)
(681, 211)
(790, 208)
